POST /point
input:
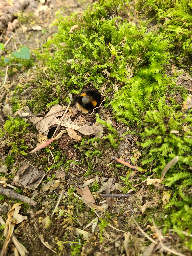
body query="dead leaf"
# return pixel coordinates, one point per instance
(28, 176)
(24, 112)
(18, 217)
(41, 8)
(106, 186)
(53, 184)
(73, 28)
(148, 251)
(86, 195)
(88, 182)
(44, 124)
(22, 250)
(144, 207)
(86, 235)
(188, 103)
(153, 181)
(69, 124)
(72, 134)
(3, 169)
(89, 199)
(87, 130)
(109, 185)
(60, 175)
(13, 218)
(126, 243)
(36, 27)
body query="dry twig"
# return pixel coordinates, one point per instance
(12, 194)
(168, 166)
(127, 164)
(5, 79)
(160, 237)
(45, 144)
(162, 245)
(143, 232)
(116, 195)
(59, 199)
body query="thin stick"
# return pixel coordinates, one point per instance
(45, 144)
(116, 228)
(12, 194)
(45, 243)
(143, 232)
(116, 195)
(161, 243)
(6, 43)
(171, 163)
(59, 199)
(127, 164)
(5, 79)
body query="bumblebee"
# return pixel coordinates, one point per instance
(88, 101)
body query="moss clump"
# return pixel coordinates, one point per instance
(13, 131)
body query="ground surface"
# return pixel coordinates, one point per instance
(65, 231)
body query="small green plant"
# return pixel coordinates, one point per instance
(2, 198)
(58, 160)
(76, 248)
(9, 160)
(18, 58)
(94, 187)
(102, 225)
(127, 183)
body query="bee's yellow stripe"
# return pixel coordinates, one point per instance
(83, 94)
(94, 102)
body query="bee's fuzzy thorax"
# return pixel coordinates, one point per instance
(88, 100)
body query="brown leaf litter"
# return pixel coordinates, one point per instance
(89, 199)
(43, 125)
(28, 176)
(13, 218)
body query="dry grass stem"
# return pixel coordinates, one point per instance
(58, 201)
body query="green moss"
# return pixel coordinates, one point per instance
(14, 129)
